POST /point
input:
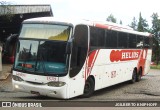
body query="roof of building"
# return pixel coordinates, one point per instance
(21, 9)
(11, 17)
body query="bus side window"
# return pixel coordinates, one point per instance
(122, 40)
(146, 42)
(111, 39)
(97, 37)
(79, 50)
(140, 42)
(132, 41)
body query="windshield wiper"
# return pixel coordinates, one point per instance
(43, 64)
(40, 54)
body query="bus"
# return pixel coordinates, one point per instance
(68, 58)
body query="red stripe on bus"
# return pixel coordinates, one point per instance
(91, 60)
(89, 63)
(102, 26)
(142, 60)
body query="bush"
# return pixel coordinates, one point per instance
(155, 66)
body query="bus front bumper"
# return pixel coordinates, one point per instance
(45, 90)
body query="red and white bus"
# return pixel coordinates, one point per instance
(67, 58)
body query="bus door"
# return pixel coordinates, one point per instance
(78, 57)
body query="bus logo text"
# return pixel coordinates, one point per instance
(129, 55)
(51, 78)
(124, 55)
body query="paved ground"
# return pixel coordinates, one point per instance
(6, 69)
(5, 79)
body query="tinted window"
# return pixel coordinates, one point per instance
(107, 38)
(79, 50)
(139, 42)
(122, 40)
(147, 42)
(97, 37)
(111, 39)
(132, 41)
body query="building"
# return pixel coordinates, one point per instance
(18, 14)
(11, 17)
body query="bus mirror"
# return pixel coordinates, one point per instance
(69, 46)
(10, 40)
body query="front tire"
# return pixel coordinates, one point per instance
(89, 87)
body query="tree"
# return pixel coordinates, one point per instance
(156, 39)
(156, 51)
(111, 18)
(155, 23)
(134, 24)
(142, 24)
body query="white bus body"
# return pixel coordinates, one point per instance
(93, 68)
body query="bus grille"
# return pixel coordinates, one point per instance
(35, 83)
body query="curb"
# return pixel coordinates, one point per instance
(4, 76)
(5, 72)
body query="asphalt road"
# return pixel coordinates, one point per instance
(148, 89)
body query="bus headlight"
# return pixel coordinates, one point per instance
(56, 84)
(17, 78)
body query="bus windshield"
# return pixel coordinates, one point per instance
(40, 56)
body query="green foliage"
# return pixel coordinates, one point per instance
(155, 23)
(142, 24)
(156, 41)
(111, 18)
(155, 66)
(134, 24)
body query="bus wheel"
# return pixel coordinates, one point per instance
(89, 87)
(133, 80)
(139, 75)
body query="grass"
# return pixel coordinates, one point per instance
(155, 66)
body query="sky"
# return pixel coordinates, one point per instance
(99, 10)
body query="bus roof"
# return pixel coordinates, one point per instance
(100, 24)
